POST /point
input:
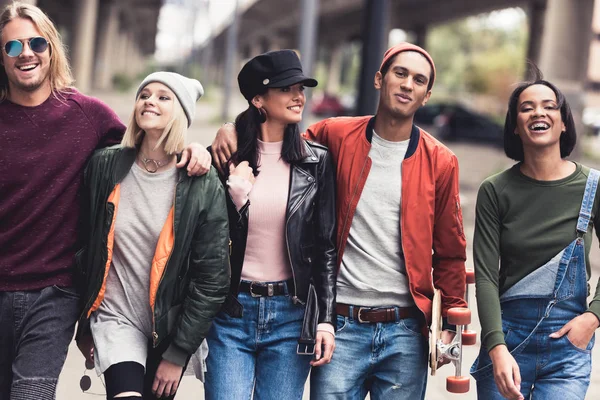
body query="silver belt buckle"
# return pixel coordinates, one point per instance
(362, 321)
(270, 290)
(251, 292)
(305, 349)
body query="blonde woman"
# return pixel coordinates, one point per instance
(155, 266)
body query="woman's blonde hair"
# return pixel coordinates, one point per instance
(173, 136)
(61, 78)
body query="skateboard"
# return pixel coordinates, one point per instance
(461, 317)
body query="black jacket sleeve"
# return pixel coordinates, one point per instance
(325, 266)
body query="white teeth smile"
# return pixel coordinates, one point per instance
(539, 126)
(150, 112)
(28, 67)
(294, 108)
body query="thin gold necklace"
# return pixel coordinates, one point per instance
(151, 165)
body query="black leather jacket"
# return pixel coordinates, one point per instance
(310, 237)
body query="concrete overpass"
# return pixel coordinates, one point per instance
(562, 33)
(104, 37)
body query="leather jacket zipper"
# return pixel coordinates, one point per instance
(295, 298)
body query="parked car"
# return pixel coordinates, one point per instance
(453, 122)
(328, 105)
(426, 115)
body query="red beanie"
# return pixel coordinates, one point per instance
(404, 46)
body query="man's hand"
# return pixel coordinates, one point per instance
(166, 380)
(86, 347)
(224, 145)
(506, 373)
(323, 349)
(579, 330)
(198, 157)
(447, 338)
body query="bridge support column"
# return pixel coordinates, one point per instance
(230, 70)
(86, 15)
(334, 69)
(308, 46)
(565, 50)
(594, 59)
(374, 43)
(536, 13)
(420, 33)
(109, 31)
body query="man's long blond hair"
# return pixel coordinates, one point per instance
(61, 78)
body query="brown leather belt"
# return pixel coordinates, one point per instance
(368, 315)
(264, 289)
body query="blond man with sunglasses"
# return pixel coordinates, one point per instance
(48, 132)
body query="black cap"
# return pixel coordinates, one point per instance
(272, 70)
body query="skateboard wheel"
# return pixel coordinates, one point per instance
(459, 316)
(457, 384)
(470, 276)
(469, 337)
(85, 383)
(89, 364)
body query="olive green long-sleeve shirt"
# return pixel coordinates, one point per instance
(520, 224)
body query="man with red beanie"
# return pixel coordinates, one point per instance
(399, 234)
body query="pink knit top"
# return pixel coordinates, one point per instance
(266, 258)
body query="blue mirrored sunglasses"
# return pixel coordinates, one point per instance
(14, 48)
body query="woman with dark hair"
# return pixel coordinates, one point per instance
(283, 259)
(533, 233)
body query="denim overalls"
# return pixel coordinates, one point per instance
(536, 306)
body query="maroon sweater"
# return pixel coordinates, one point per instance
(43, 152)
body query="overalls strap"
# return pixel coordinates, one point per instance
(587, 203)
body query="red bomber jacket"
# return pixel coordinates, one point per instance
(432, 232)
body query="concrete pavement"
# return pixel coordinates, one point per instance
(476, 163)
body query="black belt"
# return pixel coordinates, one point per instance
(373, 315)
(265, 289)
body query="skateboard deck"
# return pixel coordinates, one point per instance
(436, 330)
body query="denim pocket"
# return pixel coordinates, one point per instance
(588, 348)
(482, 367)
(341, 323)
(411, 325)
(510, 339)
(232, 307)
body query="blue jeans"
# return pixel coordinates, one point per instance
(551, 369)
(389, 360)
(36, 328)
(256, 354)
